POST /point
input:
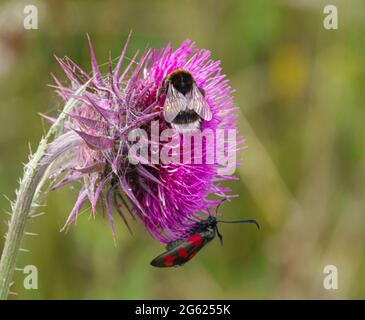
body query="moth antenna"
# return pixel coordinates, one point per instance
(216, 209)
(242, 221)
(210, 214)
(219, 235)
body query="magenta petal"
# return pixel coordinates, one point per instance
(66, 180)
(94, 64)
(109, 210)
(91, 123)
(96, 142)
(128, 191)
(97, 194)
(96, 167)
(109, 115)
(121, 60)
(76, 209)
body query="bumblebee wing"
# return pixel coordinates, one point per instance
(181, 253)
(199, 104)
(174, 103)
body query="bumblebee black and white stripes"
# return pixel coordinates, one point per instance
(185, 105)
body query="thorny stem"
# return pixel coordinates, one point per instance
(29, 195)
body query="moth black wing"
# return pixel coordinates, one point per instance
(173, 244)
(181, 253)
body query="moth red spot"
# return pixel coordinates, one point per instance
(196, 239)
(182, 252)
(169, 261)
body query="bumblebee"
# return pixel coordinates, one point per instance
(185, 105)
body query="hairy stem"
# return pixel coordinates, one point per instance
(30, 193)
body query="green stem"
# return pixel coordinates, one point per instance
(28, 195)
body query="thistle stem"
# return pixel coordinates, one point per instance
(30, 193)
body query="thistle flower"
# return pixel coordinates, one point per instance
(166, 197)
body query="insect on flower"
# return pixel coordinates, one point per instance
(165, 197)
(181, 251)
(185, 105)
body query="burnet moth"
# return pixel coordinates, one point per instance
(180, 251)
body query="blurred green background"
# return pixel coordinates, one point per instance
(300, 89)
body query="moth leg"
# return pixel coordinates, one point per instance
(219, 236)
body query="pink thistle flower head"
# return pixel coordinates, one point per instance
(120, 109)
